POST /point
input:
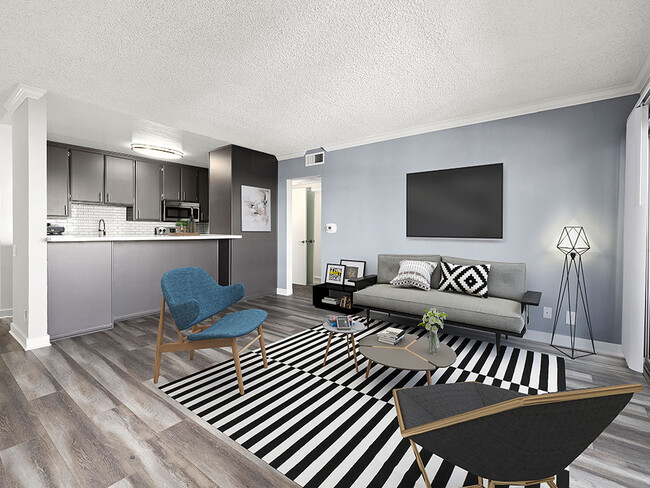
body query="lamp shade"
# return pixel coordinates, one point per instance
(573, 239)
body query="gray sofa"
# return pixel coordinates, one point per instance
(504, 311)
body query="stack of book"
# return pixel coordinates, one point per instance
(331, 300)
(391, 335)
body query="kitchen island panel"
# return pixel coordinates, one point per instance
(78, 288)
(138, 267)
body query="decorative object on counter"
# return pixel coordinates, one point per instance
(353, 269)
(193, 296)
(157, 151)
(55, 230)
(432, 320)
(160, 231)
(255, 209)
(573, 243)
(335, 274)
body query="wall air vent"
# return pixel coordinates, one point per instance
(314, 159)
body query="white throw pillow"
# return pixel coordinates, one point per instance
(414, 274)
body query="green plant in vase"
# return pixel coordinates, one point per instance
(432, 321)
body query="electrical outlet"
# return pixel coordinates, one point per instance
(570, 318)
(548, 312)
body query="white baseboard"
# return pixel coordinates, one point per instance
(284, 292)
(6, 312)
(604, 348)
(28, 343)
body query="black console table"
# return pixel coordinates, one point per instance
(340, 291)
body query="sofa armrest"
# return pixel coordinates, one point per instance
(364, 281)
(532, 298)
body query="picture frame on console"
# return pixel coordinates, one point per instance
(353, 269)
(335, 274)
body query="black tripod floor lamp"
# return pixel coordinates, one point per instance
(573, 243)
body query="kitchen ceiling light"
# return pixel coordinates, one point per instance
(156, 151)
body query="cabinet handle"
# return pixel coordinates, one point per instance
(185, 195)
(100, 196)
(65, 210)
(108, 197)
(201, 216)
(179, 195)
(138, 213)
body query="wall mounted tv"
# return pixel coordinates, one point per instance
(456, 203)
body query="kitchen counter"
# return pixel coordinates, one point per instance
(70, 238)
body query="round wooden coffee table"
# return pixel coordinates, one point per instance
(410, 353)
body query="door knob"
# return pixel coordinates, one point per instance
(311, 241)
(302, 242)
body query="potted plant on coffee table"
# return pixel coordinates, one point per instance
(432, 320)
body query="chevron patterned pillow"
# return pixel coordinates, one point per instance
(414, 274)
(471, 280)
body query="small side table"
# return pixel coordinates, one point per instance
(356, 327)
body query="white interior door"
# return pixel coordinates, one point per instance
(299, 236)
(635, 237)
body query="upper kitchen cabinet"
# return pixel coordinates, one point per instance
(58, 191)
(147, 191)
(120, 181)
(171, 185)
(204, 195)
(86, 176)
(189, 184)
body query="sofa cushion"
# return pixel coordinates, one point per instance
(414, 274)
(388, 266)
(471, 280)
(491, 312)
(506, 280)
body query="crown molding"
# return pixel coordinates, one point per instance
(552, 104)
(20, 94)
(643, 79)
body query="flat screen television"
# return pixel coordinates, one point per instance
(456, 203)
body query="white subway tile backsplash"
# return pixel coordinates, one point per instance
(84, 222)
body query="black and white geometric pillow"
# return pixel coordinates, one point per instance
(414, 274)
(471, 280)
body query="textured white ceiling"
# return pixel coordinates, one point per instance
(287, 76)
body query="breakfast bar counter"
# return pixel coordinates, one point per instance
(94, 281)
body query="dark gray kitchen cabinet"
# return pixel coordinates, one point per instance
(171, 182)
(58, 178)
(147, 191)
(189, 184)
(204, 195)
(86, 176)
(120, 181)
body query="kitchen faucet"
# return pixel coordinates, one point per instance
(102, 228)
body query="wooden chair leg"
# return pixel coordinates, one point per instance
(262, 346)
(192, 351)
(235, 355)
(551, 483)
(420, 464)
(161, 325)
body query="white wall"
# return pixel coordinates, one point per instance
(6, 221)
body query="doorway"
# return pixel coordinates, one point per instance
(304, 235)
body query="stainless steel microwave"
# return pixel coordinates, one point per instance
(174, 211)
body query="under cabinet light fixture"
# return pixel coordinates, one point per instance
(157, 151)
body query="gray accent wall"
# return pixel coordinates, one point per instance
(253, 258)
(561, 167)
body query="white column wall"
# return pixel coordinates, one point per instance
(29, 155)
(6, 221)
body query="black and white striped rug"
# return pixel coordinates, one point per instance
(329, 426)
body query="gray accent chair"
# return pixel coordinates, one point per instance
(504, 311)
(504, 436)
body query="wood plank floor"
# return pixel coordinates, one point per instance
(85, 413)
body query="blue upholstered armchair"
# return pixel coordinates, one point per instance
(192, 297)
